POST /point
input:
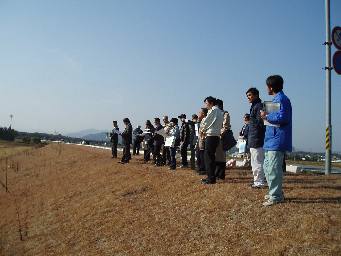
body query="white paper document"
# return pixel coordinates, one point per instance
(161, 132)
(241, 145)
(170, 141)
(271, 107)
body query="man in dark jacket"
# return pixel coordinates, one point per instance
(255, 139)
(244, 132)
(127, 135)
(137, 140)
(114, 139)
(158, 142)
(193, 138)
(184, 140)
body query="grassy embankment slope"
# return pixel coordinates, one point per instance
(73, 200)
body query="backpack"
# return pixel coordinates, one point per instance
(227, 139)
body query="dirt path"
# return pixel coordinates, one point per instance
(72, 200)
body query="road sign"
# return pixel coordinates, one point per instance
(337, 62)
(336, 37)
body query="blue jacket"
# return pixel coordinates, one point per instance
(279, 138)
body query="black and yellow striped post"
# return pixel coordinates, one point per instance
(327, 139)
(328, 150)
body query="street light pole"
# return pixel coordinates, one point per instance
(328, 69)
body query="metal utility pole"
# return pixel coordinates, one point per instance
(328, 69)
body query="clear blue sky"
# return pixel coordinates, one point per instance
(72, 65)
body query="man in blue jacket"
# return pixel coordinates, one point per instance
(278, 139)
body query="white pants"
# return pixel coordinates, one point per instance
(257, 160)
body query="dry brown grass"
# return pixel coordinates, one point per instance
(11, 148)
(74, 200)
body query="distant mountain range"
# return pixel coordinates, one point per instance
(82, 133)
(91, 134)
(101, 136)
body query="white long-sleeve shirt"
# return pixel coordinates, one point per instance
(213, 122)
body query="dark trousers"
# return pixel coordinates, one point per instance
(201, 161)
(172, 152)
(166, 158)
(192, 147)
(157, 154)
(136, 148)
(197, 152)
(284, 165)
(211, 144)
(183, 151)
(146, 154)
(126, 153)
(220, 170)
(114, 149)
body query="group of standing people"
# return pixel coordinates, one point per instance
(206, 136)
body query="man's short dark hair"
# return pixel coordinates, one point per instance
(157, 120)
(126, 120)
(174, 120)
(194, 116)
(211, 100)
(205, 111)
(247, 116)
(220, 104)
(275, 82)
(253, 91)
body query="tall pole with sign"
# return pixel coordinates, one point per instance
(328, 92)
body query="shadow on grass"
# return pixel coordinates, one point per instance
(317, 187)
(318, 200)
(246, 180)
(308, 181)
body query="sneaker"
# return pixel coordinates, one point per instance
(207, 181)
(267, 197)
(257, 186)
(183, 166)
(272, 202)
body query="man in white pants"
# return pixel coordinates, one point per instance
(256, 138)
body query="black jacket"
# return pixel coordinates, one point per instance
(256, 126)
(127, 135)
(244, 131)
(136, 133)
(192, 133)
(185, 133)
(158, 139)
(149, 135)
(114, 135)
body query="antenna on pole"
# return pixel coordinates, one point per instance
(11, 117)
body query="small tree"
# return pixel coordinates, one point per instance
(8, 133)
